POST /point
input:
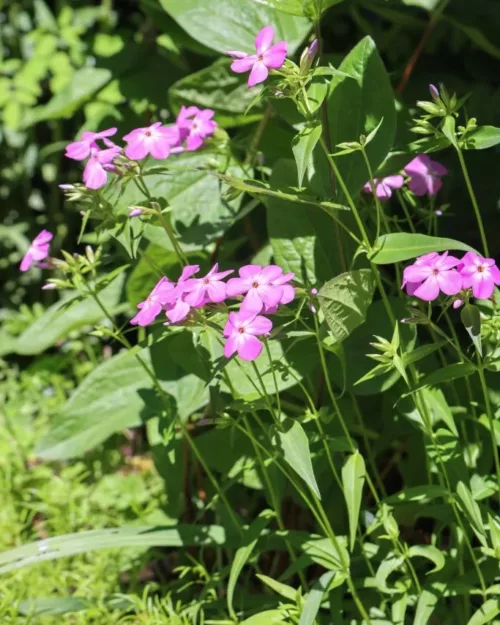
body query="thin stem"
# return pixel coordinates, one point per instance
(278, 403)
(473, 199)
(491, 423)
(171, 235)
(404, 206)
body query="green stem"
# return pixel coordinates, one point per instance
(473, 199)
(491, 423)
(404, 206)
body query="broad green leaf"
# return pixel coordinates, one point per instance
(67, 315)
(471, 318)
(83, 85)
(233, 24)
(389, 565)
(282, 589)
(301, 236)
(392, 248)
(486, 613)
(52, 605)
(482, 138)
(417, 494)
(439, 408)
(345, 301)
(308, 8)
(361, 97)
(218, 88)
(323, 552)
(313, 599)
(398, 610)
(448, 129)
(447, 374)
(303, 147)
(431, 553)
(241, 557)
(268, 617)
(473, 512)
(353, 480)
(422, 351)
(294, 444)
(426, 605)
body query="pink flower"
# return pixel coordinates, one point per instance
(80, 150)
(38, 250)
(434, 273)
(411, 287)
(209, 288)
(152, 306)
(241, 331)
(264, 287)
(384, 186)
(156, 140)
(479, 273)
(96, 170)
(194, 126)
(267, 57)
(177, 309)
(425, 175)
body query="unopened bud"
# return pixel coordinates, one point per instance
(434, 91)
(135, 212)
(458, 303)
(314, 291)
(50, 286)
(89, 252)
(307, 57)
(66, 187)
(438, 212)
(313, 48)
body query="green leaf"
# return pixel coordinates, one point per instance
(473, 512)
(282, 589)
(447, 374)
(218, 88)
(268, 617)
(69, 314)
(303, 147)
(294, 445)
(353, 480)
(421, 352)
(232, 24)
(431, 553)
(363, 89)
(312, 601)
(323, 552)
(390, 564)
(301, 236)
(426, 605)
(52, 605)
(482, 138)
(345, 301)
(244, 552)
(448, 129)
(486, 613)
(471, 318)
(308, 8)
(417, 494)
(392, 248)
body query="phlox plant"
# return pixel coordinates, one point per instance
(345, 367)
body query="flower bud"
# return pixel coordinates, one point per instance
(458, 303)
(50, 286)
(314, 291)
(135, 212)
(307, 57)
(434, 91)
(438, 212)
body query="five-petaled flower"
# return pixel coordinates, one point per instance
(425, 175)
(152, 306)
(80, 150)
(156, 140)
(241, 330)
(265, 287)
(267, 57)
(100, 162)
(480, 274)
(207, 289)
(431, 274)
(384, 186)
(38, 250)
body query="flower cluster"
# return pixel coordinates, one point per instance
(188, 133)
(425, 178)
(435, 273)
(37, 251)
(264, 290)
(268, 56)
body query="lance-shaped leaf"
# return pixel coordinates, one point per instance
(353, 480)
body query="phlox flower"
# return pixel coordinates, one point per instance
(152, 306)
(411, 287)
(177, 309)
(194, 126)
(210, 288)
(241, 330)
(267, 57)
(80, 150)
(480, 273)
(384, 186)
(38, 250)
(265, 287)
(433, 274)
(100, 162)
(425, 175)
(156, 140)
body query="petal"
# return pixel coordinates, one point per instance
(228, 328)
(94, 175)
(411, 287)
(250, 271)
(419, 165)
(240, 66)
(275, 56)
(271, 273)
(264, 39)
(417, 273)
(450, 282)
(194, 142)
(260, 325)
(447, 262)
(216, 292)
(482, 288)
(250, 348)
(437, 168)
(231, 345)
(179, 312)
(418, 184)
(43, 237)
(236, 286)
(495, 274)
(39, 252)
(434, 184)
(106, 156)
(105, 133)
(237, 54)
(188, 271)
(396, 182)
(252, 303)
(428, 290)
(284, 278)
(383, 191)
(288, 294)
(220, 275)
(26, 262)
(136, 149)
(258, 74)
(147, 314)
(78, 150)
(271, 295)
(196, 294)
(160, 148)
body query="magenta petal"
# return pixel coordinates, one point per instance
(94, 175)
(250, 271)
(236, 286)
(419, 165)
(196, 294)
(275, 56)
(231, 345)
(78, 150)
(428, 290)
(383, 191)
(179, 312)
(160, 149)
(258, 74)
(434, 184)
(194, 142)
(271, 273)
(418, 185)
(188, 271)
(216, 292)
(288, 294)
(43, 237)
(252, 302)
(482, 288)
(240, 66)
(411, 287)
(450, 282)
(136, 149)
(416, 273)
(396, 182)
(438, 169)
(264, 39)
(237, 54)
(250, 348)
(271, 295)
(495, 273)
(260, 325)
(147, 314)
(26, 262)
